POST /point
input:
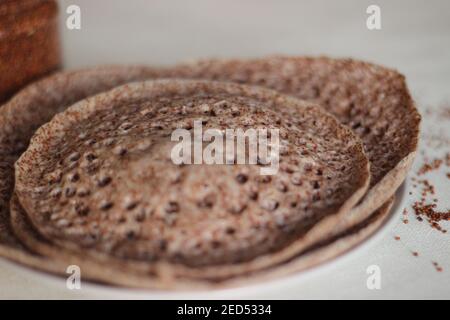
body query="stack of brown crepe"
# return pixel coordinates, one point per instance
(86, 176)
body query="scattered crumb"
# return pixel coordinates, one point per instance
(428, 211)
(405, 216)
(428, 188)
(427, 167)
(437, 266)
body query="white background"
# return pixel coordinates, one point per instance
(415, 39)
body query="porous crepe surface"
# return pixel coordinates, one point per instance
(41, 101)
(339, 84)
(374, 101)
(36, 105)
(118, 273)
(107, 159)
(56, 260)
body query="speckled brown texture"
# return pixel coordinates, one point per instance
(373, 100)
(29, 42)
(118, 273)
(138, 205)
(34, 106)
(38, 103)
(56, 260)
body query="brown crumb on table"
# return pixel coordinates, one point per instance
(424, 210)
(405, 216)
(397, 238)
(415, 253)
(428, 188)
(427, 167)
(437, 266)
(429, 212)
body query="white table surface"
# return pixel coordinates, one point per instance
(415, 39)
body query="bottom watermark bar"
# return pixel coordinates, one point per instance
(186, 309)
